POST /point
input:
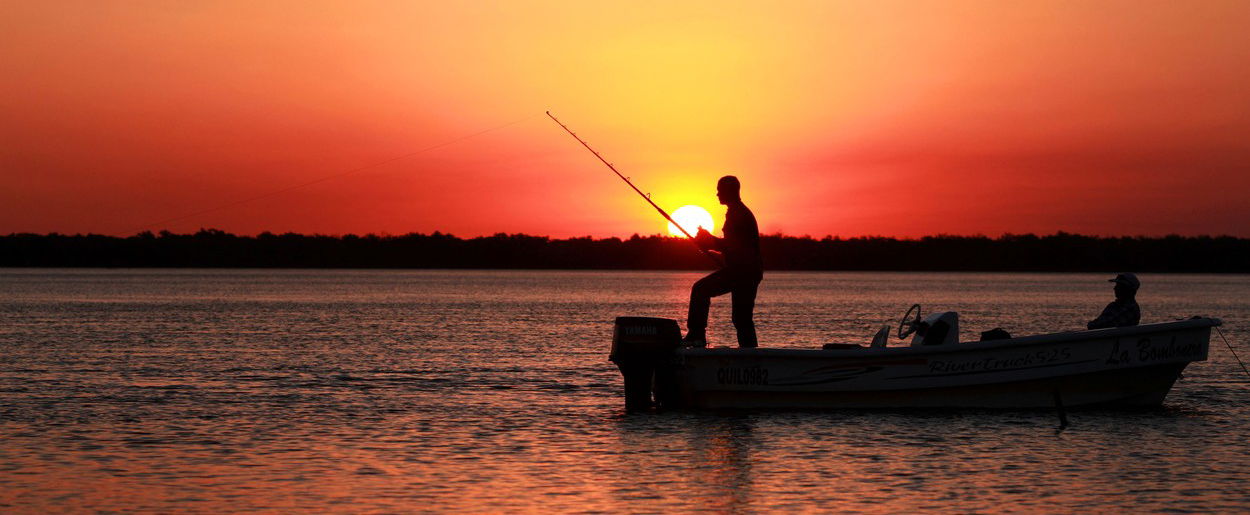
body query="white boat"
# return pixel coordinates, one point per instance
(1125, 367)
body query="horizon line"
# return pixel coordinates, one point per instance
(778, 234)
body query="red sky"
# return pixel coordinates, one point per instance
(843, 118)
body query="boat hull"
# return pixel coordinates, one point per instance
(1126, 367)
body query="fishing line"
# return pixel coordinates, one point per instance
(1230, 349)
(335, 176)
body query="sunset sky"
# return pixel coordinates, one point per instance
(840, 118)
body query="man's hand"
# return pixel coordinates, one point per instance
(703, 238)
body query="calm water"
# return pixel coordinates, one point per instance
(402, 391)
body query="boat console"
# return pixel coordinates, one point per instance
(936, 329)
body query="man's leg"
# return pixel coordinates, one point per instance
(715, 284)
(743, 310)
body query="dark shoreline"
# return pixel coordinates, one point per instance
(1060, 252)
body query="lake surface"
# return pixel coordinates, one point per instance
(490, 391)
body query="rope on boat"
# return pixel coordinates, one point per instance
(1230, 349)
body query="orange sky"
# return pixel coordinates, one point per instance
(844, 118)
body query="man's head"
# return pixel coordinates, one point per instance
(728, 189)
(1126, 285)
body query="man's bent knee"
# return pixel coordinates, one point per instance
(703, 288)
(697, 293)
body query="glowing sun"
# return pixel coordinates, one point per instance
(691, 219)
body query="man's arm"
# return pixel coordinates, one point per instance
(706, 241)
(1116, 314)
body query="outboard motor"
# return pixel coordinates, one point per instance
(937, 329)
(642, 348)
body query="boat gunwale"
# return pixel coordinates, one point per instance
(901, 351)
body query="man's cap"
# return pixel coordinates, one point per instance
(728, 182)
(1126, 279)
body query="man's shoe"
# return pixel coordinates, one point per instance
(694, 340)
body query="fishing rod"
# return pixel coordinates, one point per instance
(645, 196)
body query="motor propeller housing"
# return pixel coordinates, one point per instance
(642, 347)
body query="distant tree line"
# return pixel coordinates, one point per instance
(1061, 252)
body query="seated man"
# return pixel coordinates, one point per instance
(1123, 312)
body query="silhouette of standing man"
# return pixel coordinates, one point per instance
(740, 275)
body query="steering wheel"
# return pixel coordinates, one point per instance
(909, 324)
